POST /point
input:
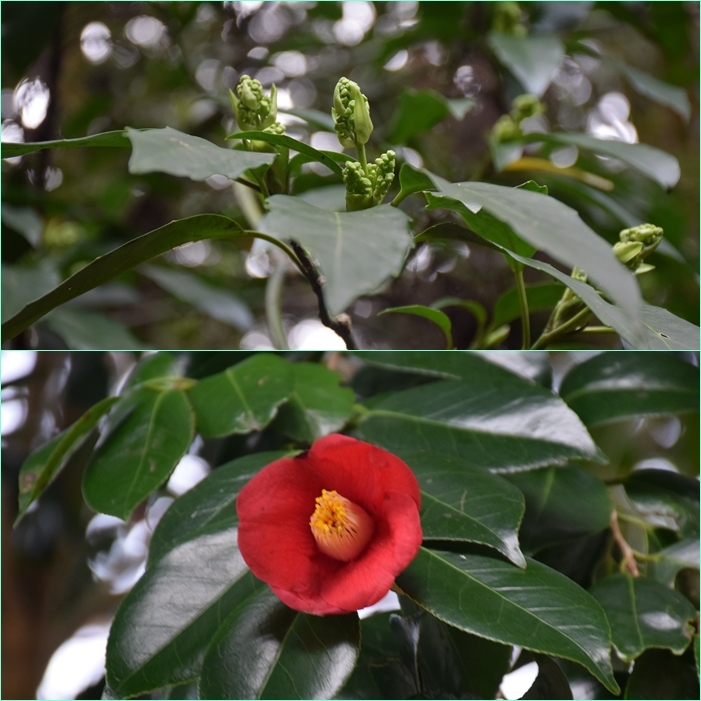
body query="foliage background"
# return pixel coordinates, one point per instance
(64, 566)
(63, 208)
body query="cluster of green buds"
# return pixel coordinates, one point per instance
(507, 19)
(636, 244)
(351, 114)
(255, 111)
(367, 187)
(508, 126)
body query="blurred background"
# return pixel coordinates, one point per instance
(72, 69)
(65, 568)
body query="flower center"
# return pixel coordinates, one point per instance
(341, 528)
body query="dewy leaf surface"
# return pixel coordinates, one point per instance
(494, 420)
(460, 502)
(145, 437)
(209, 506)
(553, 227)
(356, 251)
(266, 650)
(644, 613)
(243, 398)
(174, 152)
(536, 608)
(166, 622)
(615, 386)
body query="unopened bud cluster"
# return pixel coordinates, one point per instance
(636, 244)
(253, 109)
(351, 114)
(367, 187)
(507, 19)
(508, 126)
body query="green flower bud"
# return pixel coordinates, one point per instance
(351, 114)
(626, 252)
(235, 107)
(643, 239)
(525, 106)
(505, 129)
(361, 117)
(275, 128)
(253, 110)
(384, 175)
(507, 19)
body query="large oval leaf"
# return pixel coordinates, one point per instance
(614, 386)
(171, 151)
(670, 560)
(644, 613)
(243, 398)
(460, 502)
(209, 506)
(536, 608)
(146, 435)
(265, 650)
(492, 420)
(356, 251)
(165, 624)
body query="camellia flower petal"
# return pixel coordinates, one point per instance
(330, 529)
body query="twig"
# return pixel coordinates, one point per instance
(340, 324)
(628, 561)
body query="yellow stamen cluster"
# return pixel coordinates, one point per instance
(341, 528)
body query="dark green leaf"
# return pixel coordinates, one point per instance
(561, 504)
(540, 297)
(450, 231)
(153, 366)
(413, 180)
(670, 560)
(657, 165)
(91, 331)
(288, 142)
(644, 613)
(544, 223)
(118, 261)
(492, 418)
(165, 624)
(108, 138)
(533, 60)
(535, 608)
(460, 502)
(356, 251)
(551, 682)
(146, 435)
(209, 506)
(438, 317)
(317, 405)
(266, 650)
(613, 386)
(666, 494)
(659, 674)
(243, 398)
(43, 465)
(22, 283)
(171, 151)
(218, 303)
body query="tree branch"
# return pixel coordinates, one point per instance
(340, 324)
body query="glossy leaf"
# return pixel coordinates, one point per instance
(118, 261)
(266, 650)
(108, 138)
(493, 419)
(218, 303)
(174, 152)
(164, 625)
(643, 614)
(288, 142)
(561, 504)
(535, 608)
(153, 366)
(670, 560)
(44, 464)
(544, 223)
(356, 251)
(659, 674)
(243, 398)
(666, 494)
(146, 434)
(533, 60)
(317, 405)
(441, 319)
(420, 110)
(462, 503)
(613, 386)
(659, 166)
(209, 506)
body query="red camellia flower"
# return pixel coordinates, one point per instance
(330, 529)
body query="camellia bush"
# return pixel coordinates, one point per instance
(525, 508)
(554, 205)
